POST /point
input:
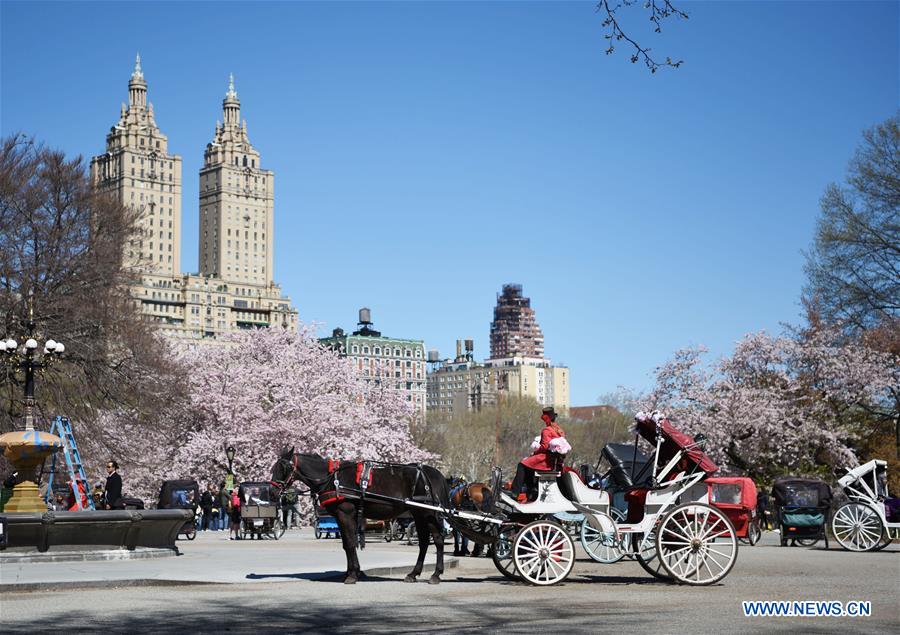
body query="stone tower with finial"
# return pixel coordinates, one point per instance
(236, 203)
(138, 169)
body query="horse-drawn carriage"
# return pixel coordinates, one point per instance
(870, 520)
(259, 511)
(181, 494)
(670, 527)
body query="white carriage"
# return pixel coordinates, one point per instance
(864, 522)
(670, 529)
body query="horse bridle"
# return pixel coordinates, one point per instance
(294, 464)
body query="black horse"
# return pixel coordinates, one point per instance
(390, 484)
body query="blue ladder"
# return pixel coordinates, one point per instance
(63, 429)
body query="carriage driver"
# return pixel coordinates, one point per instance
(543, 457)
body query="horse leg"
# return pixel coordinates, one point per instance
(347, 524)
(434, 524)
(422, 531)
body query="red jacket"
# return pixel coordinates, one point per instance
(543, 458)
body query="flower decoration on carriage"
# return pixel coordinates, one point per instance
(645, 417)
(560, 445)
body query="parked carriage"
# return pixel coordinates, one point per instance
(326, 525)
(870, 520)
(259, 511)
(801, 510)
(181, 494)
(736, 497)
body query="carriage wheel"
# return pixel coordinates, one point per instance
(277, 529)
(857, 527)
(754, 533)
(806, 542)
(191, 533)
(318, 533)
(696, 544)
(886, 539)
(501, 553)
(543, 553)
(646, 556)
(602, 546)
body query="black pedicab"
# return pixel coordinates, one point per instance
(801, 509)
(259, 511)
(181, 494)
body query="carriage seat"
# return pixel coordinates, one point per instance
(574, 489)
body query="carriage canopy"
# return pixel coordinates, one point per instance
(179, 494)
(732, 491)
(627, 465)
(256, 493)
(674, 441)
(793, 491)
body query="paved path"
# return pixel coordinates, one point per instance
(618, 598)
(298, 555)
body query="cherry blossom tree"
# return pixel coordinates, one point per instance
(779, 404)
(259, 391)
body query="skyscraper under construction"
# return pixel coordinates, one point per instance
(514, 331)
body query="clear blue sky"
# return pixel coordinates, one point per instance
(427, 153)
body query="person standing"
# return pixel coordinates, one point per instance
(224, 504)
(112, 492)
(235, 507)
(206, 504)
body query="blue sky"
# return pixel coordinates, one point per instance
(427, 153)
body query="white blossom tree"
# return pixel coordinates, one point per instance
(778, 404)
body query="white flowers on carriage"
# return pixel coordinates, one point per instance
(560, 445)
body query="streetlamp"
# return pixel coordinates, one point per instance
(229, 454)
(229, 478)
(28, 448)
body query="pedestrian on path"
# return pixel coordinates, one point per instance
(224, 501)
(112, 492)
(235, 507)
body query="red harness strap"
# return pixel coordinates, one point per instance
(364, 472)
(333, 465)
(326, 498)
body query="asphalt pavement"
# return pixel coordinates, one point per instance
(269, 586)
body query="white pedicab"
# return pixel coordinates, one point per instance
(863, 524)
(673, 532)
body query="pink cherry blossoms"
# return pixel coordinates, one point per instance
(259, 391)
(778, 404)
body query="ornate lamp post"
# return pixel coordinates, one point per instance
(229, 479)
(28, 448)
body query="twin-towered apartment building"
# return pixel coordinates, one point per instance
(235, 287)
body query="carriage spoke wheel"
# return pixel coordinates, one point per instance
(501, 553)
(696, 544)
(646, 556)
(601, 546)
(277, 529)
(543, 553)
(857, 527)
